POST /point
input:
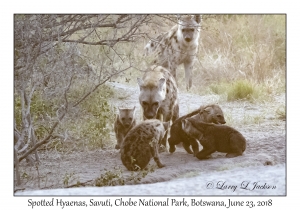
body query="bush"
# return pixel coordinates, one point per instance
(241, 89)
(94, 119)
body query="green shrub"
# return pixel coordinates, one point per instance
(241, 89)
(41, 109)
(93, 123)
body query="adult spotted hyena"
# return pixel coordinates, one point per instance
(124, 122)
(178, 46)
(212, 137)
(141, 144)
(211, 113)
(158, 95)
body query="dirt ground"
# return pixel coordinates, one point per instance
(264, 132)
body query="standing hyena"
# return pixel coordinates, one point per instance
(124, 122)
(179, 45)
(141, 144)
(158, 95)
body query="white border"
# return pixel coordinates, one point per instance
(153, 6)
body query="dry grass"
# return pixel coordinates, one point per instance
(241, 47)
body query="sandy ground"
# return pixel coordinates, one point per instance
(260, 171)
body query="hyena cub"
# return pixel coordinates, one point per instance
(159, 95)
(141, 144)
(178, 46)
(210, 114)
(124, 122)
(221, 138)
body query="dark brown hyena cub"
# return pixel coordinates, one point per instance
(141, 144)
(210, 113)
(124, 122)
(220, 138)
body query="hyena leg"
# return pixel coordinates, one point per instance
(172, 70)
(175, 114)
(236, 148)
(154, 152)
(166, 118)
(188, 67)
(204, 153)
(187, 148)
(231, 155)
(172, 147)
(195, 146)
(119, 137)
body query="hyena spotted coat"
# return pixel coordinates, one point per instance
(178, 46)
(124, 122)
(141, 144)
(158, 95)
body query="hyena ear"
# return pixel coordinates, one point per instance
(161, 83)
(198, 18)
(208, 109)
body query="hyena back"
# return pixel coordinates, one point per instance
(178, 46)
(159, 95)
(141, 144)
(124, 122)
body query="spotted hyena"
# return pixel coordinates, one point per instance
(158, 95)
(141, 144)
(211, 113)
(178, 46)
(212, 137)
(124, 122)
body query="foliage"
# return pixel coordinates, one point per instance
(97, 127)
(240, 89)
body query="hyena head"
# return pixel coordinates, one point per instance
(126, 116)
(189, 28)
(213, 114)
(152, 93)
